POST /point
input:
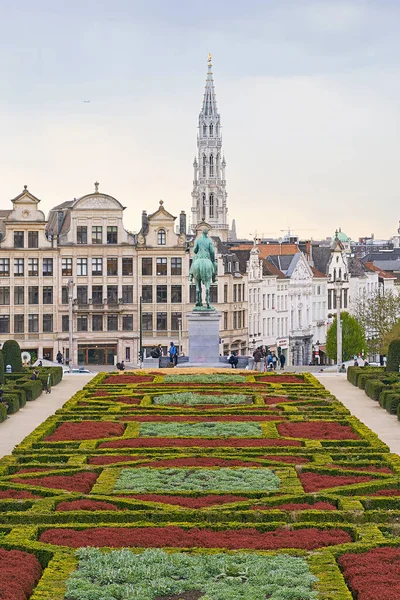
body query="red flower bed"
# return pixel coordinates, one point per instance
(34, 470)
(292, 460)
(91, 505)
(373, 574)
(111, 459)
(176, 537)
(18, 495)
(321, 430)
(128, 379)
(20, 572)
(85, 430)
(199, 462)
(313, 482)
(123, 399)
(197, 442)
(279, 379)
(269, 400)
(187, 502)
(370, 468)
(299, 506)
(80, 482)
(101, 393)
(196, 419)
(388, 492)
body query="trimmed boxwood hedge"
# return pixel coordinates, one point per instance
(12, 355)
(3, 412)
(393, 361)
(33, 389)
(13, 403)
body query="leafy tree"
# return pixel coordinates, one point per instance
(394, 334)
(12, 355)
(377, 313)
(393, 362)
(1, 367)
(353, 339)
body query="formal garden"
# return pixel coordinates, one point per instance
(204, 486)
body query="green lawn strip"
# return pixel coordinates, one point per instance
(211, 429)
(193, 399)
(208, 379)
(122, 574)
(223, 479)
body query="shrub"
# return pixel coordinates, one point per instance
(392, 403)
(393, 361)
(17, 390)
(1, 367)
(373, 388)
(33, 389)
(12, 355)
(13, 403)
(3, 412)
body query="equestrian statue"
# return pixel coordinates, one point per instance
(203, 269)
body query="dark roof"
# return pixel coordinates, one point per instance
(4, 213)
(243, 256)
(356, 267)
(321, 256)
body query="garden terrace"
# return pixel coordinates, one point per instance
(255, 479)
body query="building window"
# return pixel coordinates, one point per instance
(18, 239)
(147, 266)
(33, 323)
(176, 294)
(127, 294)
(97, 267)
(112, 234)
(211, 166)
(81, 267)
(211, 206)
(127, 323)
(82, 294)
(161, 237)
(64, 295)
(345, 294)
(65, 323)
(225, 292)
(225, 320)
(81, 236)
(147, 294)
(176, 266)
(203, 207)
(97, 234)
(33, 267)
(66, 267)
(127, 266)
(161, 294)
(4, 267)
(48, 294)
(18, 267)
(33, 294)
(204, 130)
(112, 322)
(82, 323)
(97, 294)
(161, 266)
(239, 319)
(204, 167)
(235, 293)
(19, 294)
(147, 321)
(176, 317)
(329, 299)
(112, 266)
(33, 239)
(214, 293)
(161, 321)
(4, 323)
(192, 294)
(47, 267)
(19, 324)
(211, 130)
(234, 320)
(4, 296)
(112, 294)
(47, 323)
(128, 354)
(97, 323)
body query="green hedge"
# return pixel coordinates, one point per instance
(15, 389)
(3, 412)
(33, 389)
(12, 355)
(13, 403)
(373, 388)
(1, 367)
(393, 362)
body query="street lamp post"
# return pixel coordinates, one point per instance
(180, 336)
(70, 321)
(140, 333)
(339, 332)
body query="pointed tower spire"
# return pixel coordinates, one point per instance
(209, 193)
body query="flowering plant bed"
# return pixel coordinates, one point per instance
(197, 480)
(190, 502)
(312, 482)
(115, 379)
(297, 506)
(206, 429)
(318, 431)
(80, 482)
(91, 505)
(373, 574)
(85, 430)
(19, 574)
(193, 399)
(198, 442)
(205, 379)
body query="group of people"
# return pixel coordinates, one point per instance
(265, 360)
(173, 353)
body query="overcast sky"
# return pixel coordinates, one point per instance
(308, 92)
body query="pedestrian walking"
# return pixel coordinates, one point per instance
(282, 360)
(274, 361)
(173, 354)
(59, 357)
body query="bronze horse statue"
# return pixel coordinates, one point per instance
(204, 268)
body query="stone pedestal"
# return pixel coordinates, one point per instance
(203, 334)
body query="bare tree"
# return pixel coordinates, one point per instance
(377, 313)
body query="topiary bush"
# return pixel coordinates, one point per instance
(373, 388)
(12, 355)
(1, 367)
(3, 412)
(13, 403)
(393, 359)
(33, 389)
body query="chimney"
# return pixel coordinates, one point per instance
(145, 222)
(182, 222)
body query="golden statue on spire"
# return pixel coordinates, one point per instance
(209, 59)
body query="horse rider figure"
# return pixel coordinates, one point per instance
(204, 267)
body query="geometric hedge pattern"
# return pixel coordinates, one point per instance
(213, 483)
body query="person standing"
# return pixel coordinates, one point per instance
(274, 361)
(282, 360)
(59, 357)
(233, 360)
(173, 354)
(257, 359)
